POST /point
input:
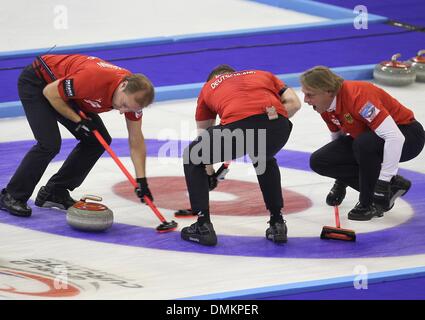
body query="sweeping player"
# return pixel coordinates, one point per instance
(47, 89)
(371, 133)
(252, 105)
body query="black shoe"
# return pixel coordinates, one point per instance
(202, 234)
(277, 232)
(399, 187)
(47, 198)
(15, 207)
(364, 213)
(185, 213)
(337, 194)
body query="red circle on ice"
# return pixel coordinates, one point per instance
(171, 193)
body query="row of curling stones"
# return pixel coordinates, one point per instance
(401, 73)
(90, 216)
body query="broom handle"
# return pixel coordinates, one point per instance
(338, 225)
(123, 169)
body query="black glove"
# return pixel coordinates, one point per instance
(382, 194)
(85, 127)
(142, 189)
(212, 181)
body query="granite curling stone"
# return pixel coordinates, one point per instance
(89, 216)
(394, 73)
(418, 64)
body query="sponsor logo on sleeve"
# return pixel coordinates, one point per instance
(68, 87)
(369, 111)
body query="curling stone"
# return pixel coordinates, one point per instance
(394, 73)
(418, 63)
(89, 216)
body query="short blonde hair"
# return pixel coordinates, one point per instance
(140, 83)
(321, 78)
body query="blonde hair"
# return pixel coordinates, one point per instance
(140, 83)
(321, 78)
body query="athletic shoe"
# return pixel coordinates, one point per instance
(364, 213)
(203, 234)
(47, 198)
(277, 232)
(399, 187)
(337, 194)
(185, 213)
(15, 207)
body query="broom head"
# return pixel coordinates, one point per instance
(337, 234)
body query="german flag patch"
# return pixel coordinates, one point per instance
(348, 117)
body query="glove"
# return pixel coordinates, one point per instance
(85, 127)
(382, 194)
(212, 181)
(142, 189)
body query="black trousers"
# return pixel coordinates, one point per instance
(43, 120)
(357, 162)
(262, 139)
